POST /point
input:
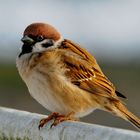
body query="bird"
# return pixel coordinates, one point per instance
(65, 78)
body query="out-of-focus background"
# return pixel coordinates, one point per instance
(109, 29)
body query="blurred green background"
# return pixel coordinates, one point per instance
(108, 29)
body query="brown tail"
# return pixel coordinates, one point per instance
(123, 112)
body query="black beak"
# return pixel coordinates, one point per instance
(27, 46)
(27, 40)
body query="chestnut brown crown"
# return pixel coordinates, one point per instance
(46, 30)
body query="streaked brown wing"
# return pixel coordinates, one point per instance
(84, 71)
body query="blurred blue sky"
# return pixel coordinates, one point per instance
(110, 29)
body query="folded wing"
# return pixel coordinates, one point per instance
(84, 72)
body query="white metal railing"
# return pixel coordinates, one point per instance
(15, 124)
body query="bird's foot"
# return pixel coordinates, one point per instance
(62, 118)
(57, 119)
(46, 120)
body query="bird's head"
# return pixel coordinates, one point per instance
(39, 37)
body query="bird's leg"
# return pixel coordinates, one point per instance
(62, 118)
(57, 119)
(46, 120)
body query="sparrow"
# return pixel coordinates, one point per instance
(65, 78)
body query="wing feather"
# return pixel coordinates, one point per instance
(84, 72)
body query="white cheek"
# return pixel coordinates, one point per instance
(38, 47)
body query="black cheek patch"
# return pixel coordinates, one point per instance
(48, 44)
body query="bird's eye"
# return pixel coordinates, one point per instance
(39, 38)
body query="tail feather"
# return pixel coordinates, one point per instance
(133, 119)
(127, 115)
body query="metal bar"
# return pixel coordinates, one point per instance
(15, 124)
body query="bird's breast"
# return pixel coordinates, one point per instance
(48, 84)
(44, 89)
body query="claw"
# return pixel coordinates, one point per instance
(46, 120)
(62, 118)
(42, 123)
(57, 119)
